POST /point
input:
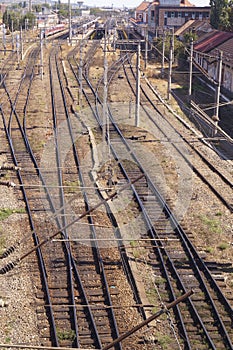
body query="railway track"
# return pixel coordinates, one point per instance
(78, 300)
(182, 266)
(220, 184)
(77, 284)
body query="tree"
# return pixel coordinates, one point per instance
(18, 21)
(220, 14)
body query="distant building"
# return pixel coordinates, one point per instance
(206, 55)
(194, 26)
(169, 13)
(3, 8)
(46, 18)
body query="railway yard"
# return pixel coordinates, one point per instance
(107, 218)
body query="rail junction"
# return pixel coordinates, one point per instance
(107, 239)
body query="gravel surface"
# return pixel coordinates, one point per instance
(210, 226)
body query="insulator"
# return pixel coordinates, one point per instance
(9, 251)
(8, 267)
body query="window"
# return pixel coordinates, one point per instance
(172, 14)
(179, 14)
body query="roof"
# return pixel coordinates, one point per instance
(199, 27)
(143, 6)
(227, 49)
(186, 3)
(212, 41)
(184, 27)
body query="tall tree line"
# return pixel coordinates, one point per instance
(221, 16)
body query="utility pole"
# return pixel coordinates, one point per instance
(41, 54)
(21, 42)
(170, 69)
(146, 47)
(130, 106)
(4, 37)
(17, 46)
(137, 110)
(80, 70)
(30, 6)
(190, 67)
(163, 54)
(216, 117)
(105, 111)
(70, 33)
(12, 32)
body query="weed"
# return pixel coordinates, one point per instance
(154, 310)
(7, 340)
(136, 254)
(66, 334)
(159, 280)
(71, 186)
(209, 249)
(164, 341)
(212, 224)
(133, 244)
(6, 212)
(223, 246)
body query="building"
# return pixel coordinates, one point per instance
(46, 18)
(169, 13)
(207, 57)
(197, 27)
(141, 13)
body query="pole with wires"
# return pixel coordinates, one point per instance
(191, 67)
(137, 110)
(170, 69)
(219, 85)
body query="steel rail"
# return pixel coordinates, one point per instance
(221, 324)
(86, 200)
(31, 222)
(198, 173)
(122, 251)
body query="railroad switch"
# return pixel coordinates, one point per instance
(110, 177)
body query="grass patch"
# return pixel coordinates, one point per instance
(6, 212)
(209, 250)
(66, 334)
(71, 186)
(7, 340)
(136, 254)
(223, 246)
(133, 244)
(164, 341)
(212, 224)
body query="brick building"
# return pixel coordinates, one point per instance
(169, 13)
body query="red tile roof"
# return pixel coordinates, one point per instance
(186, 3)
(143, 6)
(227, 49)
(213, 40)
